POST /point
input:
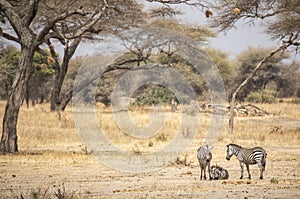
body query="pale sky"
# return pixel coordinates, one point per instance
(235, 40)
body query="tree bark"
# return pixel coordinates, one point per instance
(9, 139)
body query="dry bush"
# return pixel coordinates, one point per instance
(185, 160)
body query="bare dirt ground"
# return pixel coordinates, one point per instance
(81, 175)
(48, 169)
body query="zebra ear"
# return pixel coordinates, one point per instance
(211, 148)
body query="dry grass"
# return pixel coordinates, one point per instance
(38, 128)
(50, 144)
(279, 128)
(141, 119)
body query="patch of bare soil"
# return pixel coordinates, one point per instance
(75, 173)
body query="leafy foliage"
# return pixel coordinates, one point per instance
(41, 73)
(262, 96)
(288, 85)
(270, 71)
(9, 58)
(226, 67)
(155, 95)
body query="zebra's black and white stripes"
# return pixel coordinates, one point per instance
(219, 173)
(255, 155)
(204, 157)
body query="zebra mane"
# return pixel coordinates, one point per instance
(235, 145)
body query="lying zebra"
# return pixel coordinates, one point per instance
(219, 173)
(204, 157)
(255, 155)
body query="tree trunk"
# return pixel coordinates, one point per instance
(65, 100)
(60, 74)
(54, 97)
(9, 139)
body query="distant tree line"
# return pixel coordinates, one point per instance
(278, 79)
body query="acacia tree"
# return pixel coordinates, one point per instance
(162, 17)
(125, 14)
(30, 26)
(281, 19)
(70, 33)
(26, 23)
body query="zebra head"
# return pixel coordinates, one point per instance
(215, 173)
(230, 151)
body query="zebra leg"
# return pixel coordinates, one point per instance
(204, 170)
(263, 164)
(210, 178)
(242, 170)
(247, 166)
(261, 168)
(201, 174)
(261, 174)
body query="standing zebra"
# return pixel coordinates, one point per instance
(204, 157)
(255, 155)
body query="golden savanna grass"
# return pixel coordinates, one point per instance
(40, 128)
(51, 153)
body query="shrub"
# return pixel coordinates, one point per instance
(274, 180)
(63, 193)
(157, 95)
(261, 96)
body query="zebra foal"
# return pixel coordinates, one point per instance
(219, 173)
(255, 155)
(204, 157)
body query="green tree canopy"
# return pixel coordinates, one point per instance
(270, 71)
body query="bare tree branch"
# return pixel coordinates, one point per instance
(187, 2)
(10, 37)
(31, 13)
(50, 24)
(16, 21)
(85, 27)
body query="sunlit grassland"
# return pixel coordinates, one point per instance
(51, 153)
(40, 129)
(280, 127)
(141, 118)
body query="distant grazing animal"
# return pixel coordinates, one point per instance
(255, 155)
(204, 157)
(219, 173)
